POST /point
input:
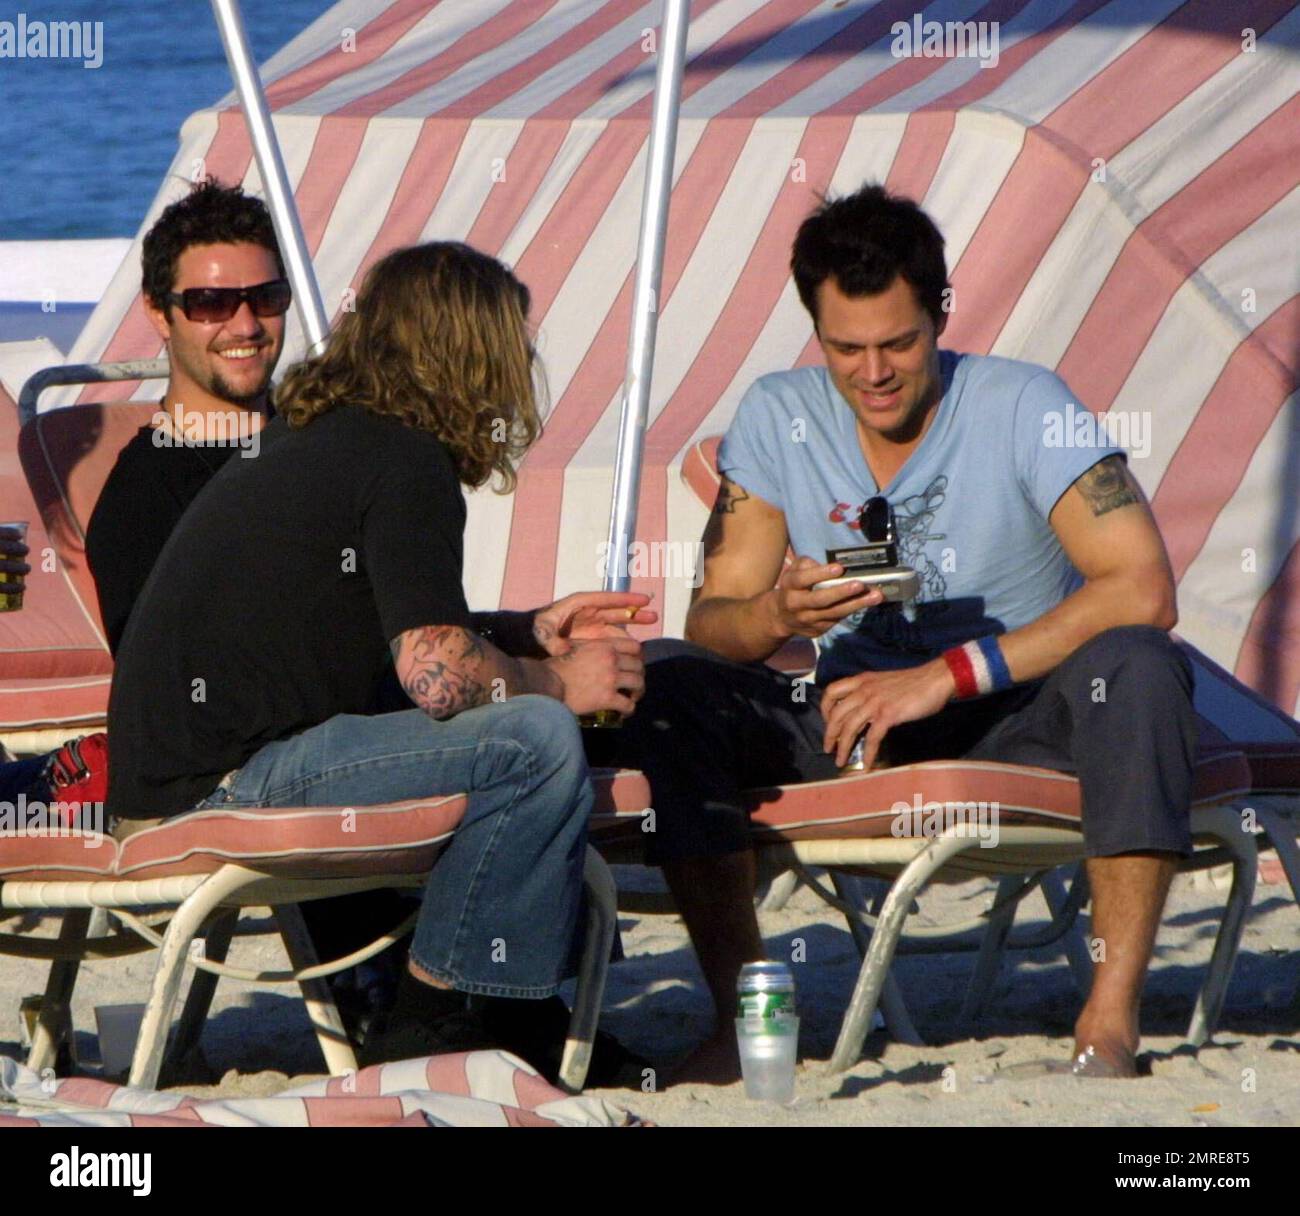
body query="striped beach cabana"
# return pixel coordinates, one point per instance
(1119, 185)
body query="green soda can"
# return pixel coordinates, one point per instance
(765, 997)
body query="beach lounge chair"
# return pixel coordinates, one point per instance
(54, 662)
(201, 868)
(845, 826)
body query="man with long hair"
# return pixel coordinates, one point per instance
(248, 672)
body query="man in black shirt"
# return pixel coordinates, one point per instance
(216, 293)
(216, 400)
(248, 669)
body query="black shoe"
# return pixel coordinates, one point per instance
(536, 1030)
(456, 1032)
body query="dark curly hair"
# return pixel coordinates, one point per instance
(439, 338)
(865, 240)
(211, 214)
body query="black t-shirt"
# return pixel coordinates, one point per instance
(271, 608)
(145, 495)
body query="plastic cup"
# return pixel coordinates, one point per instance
(119, 1027)
(767, 1059)
(11, 601)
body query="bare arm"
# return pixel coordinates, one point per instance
(746, 607)
(1107, 531)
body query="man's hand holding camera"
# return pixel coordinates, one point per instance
(799, 610)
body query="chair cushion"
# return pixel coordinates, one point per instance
(294, 842)
(867, 805)
(622, 795)
(1274, 767)
(67, 455)
(297, 842)
(54, 666)
(79, 858)
(31, 704)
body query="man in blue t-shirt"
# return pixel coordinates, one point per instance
(1038, 633)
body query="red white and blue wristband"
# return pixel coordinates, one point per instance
(978, 668)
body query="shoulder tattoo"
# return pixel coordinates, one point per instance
(1108, 485)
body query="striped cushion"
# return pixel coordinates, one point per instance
(467, 1089)
(298, 842)
(866, 805)
(58, 858)
(67, 455)
(295, 842)
(34, 704)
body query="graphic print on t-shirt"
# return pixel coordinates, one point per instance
(913, 519)
(972, 503)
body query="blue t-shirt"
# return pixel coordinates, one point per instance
(971, 503)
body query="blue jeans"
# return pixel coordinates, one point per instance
(500, 908)
(17, 776)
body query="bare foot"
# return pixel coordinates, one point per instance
(1101, 1049)
(1106, 1062)
(716, 1061)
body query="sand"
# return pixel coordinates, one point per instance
(257, 1041)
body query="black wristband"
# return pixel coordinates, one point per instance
(510, 632)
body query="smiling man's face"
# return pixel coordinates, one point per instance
(883, 357)
(221, 363)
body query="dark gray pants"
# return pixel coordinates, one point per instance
(1117, 714)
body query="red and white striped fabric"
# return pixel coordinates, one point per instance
(468, 1089)
(1120, 192)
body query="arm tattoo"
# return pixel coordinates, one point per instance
(729, 494)
(1108, 485)
(444, 676)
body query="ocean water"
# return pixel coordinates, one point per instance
(83, 150)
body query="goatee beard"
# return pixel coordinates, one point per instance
(222, 390)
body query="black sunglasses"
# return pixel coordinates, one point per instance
(877, 520)
(221, 303)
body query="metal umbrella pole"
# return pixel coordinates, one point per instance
(279, 197)
(645, 298)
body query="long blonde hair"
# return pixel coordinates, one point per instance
(439, 338)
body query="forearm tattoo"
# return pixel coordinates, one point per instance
(1108, 485)
(445, 674)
